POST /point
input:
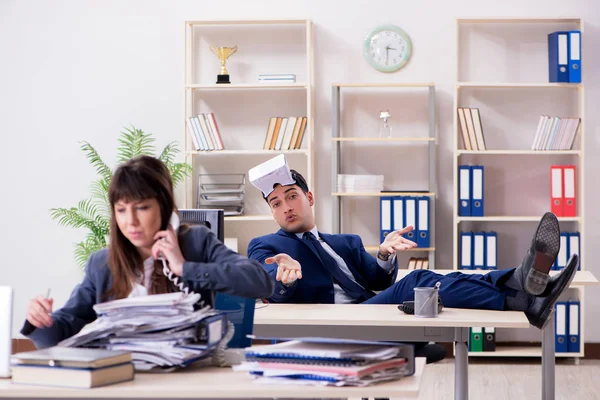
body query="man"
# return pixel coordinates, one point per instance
(312, 267)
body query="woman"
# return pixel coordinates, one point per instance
(142, 202)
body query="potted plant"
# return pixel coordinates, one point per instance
(94, 213)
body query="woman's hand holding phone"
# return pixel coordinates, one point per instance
(38, 312)
(167, 246)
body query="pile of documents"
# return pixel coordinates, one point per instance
(328, 362)
(161, 331)
(359, 183)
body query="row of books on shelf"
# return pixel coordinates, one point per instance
(479, 250)
(555, 133)
(563, 190)
(418, 263)
(397, 212)
(564, 56)
(285, 133)
(205, 133)
(471, 128)
(567, 326)
(482, 339)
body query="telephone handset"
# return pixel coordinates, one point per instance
(174, 222)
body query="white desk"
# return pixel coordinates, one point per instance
(386, 322)
(215, 383)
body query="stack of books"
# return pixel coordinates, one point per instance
(162, 331)
(67, 367)
(277, 78)
(332, 362)
(359, 183)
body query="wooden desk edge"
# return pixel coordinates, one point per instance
(241, 385)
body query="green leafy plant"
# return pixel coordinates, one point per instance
(94, 213)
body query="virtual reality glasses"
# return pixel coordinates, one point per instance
(274, 172)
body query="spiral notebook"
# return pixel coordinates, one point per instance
(327, 351)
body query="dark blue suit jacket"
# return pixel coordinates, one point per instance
(316, 285)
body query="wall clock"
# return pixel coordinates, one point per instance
(387, 48)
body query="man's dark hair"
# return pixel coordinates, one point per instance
(300, 181)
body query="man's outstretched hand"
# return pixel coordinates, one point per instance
(394, 242)
(288, 269)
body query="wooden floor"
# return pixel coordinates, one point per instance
(513, 379)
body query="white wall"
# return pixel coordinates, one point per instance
(82, 70)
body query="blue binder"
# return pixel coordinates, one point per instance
(423, 221)
(477, 190)
(558, 56)
(240, 311)
(575, 56)
(411, 217)
(574, 247)
(466, 250)
(386, 216)
(491, 250)
(574, 345)
(561, 323)
(464, 191)
(479, 250)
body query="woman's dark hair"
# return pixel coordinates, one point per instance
(141, 178)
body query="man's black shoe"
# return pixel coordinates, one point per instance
(542, 306)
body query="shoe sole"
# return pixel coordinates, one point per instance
(547, 236)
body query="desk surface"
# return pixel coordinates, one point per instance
(215, 383)
(381, 315)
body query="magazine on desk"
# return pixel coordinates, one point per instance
(163, 332)
(326, 361)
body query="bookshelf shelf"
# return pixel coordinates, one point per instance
(380, 194)
(384, 85)
(243, 218)
(374, 139)
(246, 152)
(518, 85)
(373, 249)
(243, 86)
(518, 351)
(519, 152)
(512, 219)
(512, 97)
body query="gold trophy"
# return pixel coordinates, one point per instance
(223, 53)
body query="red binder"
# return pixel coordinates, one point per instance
(556, 190)
(569, 190)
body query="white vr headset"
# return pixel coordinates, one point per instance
(267, 175)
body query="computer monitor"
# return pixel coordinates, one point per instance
(6, 306)
(240, 310)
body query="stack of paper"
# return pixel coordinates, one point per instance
(162, 331)
(333, 362)
(359, 183)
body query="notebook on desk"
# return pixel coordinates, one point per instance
(6, 305)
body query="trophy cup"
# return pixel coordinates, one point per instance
(223, 53)
(385, 130)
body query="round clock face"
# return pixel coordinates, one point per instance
(387, 48)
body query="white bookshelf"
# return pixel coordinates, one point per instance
(515, 94)
(243, 108)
